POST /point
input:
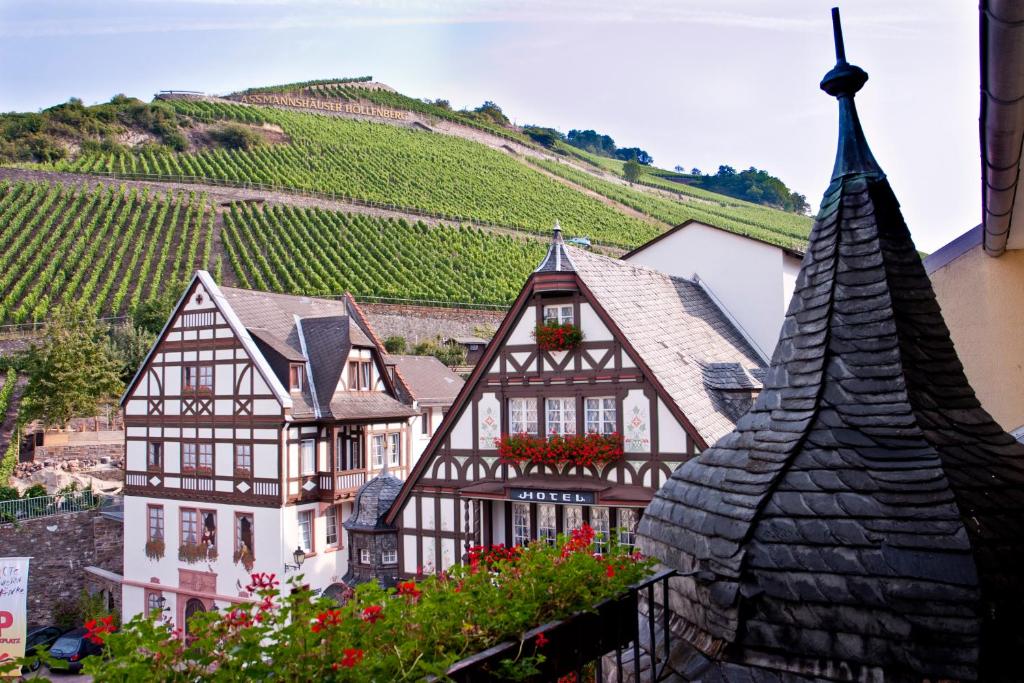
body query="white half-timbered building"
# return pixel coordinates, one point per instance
(659, 363)
(250, 427)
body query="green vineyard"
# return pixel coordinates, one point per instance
(778, 227)
(377, 162)
(319, 252)
(108, 248)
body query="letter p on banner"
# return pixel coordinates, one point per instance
(13, 616)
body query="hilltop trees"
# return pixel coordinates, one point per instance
(754, 185)
(631, 170)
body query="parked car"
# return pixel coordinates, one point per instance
(73, 647)
(44, 636)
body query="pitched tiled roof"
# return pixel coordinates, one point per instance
(428, 380)
(867, 515)
(367, 405)
(677, 330)
(320, 332)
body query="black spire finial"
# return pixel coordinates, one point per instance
(842, 82)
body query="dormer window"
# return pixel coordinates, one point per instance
(560, 314)
(295, 376)
(359, 375)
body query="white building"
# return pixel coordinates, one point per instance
(751, 280)
(250, 426)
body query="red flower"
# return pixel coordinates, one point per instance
(372, 613)
(95, 629)
(262, 581)
(609, 571)
(352, 657)
(331, 617)
(409, 589)
(542, 639)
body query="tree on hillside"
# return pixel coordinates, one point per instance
(635, 154)
(543, 136)
(395, 344)
(489, 110)
(130, 344)
(152, 315)
(632, 170)
(591, 141)
(73, 374)
(679, 168)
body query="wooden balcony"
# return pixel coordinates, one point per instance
(341, 484)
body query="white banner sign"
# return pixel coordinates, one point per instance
(13, 611)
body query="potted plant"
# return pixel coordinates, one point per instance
(553, 336)
(577, 449)
(155, 548)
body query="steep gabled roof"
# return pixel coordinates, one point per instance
(865, 520)
(792, 251)
(427, 379)
(676, 329)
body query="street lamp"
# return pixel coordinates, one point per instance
(299, 556)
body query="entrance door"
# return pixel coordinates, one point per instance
(193, 606)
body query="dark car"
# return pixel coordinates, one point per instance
(73, 647)
(40, 637)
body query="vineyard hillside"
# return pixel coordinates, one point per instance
(453, 210)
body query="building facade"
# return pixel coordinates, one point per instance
(666, 401)
(250, 427)
(752, 280)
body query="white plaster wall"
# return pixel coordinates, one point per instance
(592, 326)
(522, 333)
(671, 436)
(749, 277)
(462, 431)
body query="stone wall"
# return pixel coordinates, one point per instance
(61, 547)
(80, 451)
(422, 323)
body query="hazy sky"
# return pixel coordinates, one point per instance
(694, 82)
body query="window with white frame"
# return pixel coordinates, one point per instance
(188, 458)
(205, 463)
(364, 556)
(395, 448)
(306, 530)
(308, 459)
(560, 415)
(572, 517)
(560, 314)
(155, 531)
(189, 526)
(389, 557)
(547, 525)
(627, 526)
(600, 417)
(520, 523)
(331, 522)
(243, 460)
(522, 416)
(154, 603)
(599, 522)
(379, 446)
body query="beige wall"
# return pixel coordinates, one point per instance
(982, 300)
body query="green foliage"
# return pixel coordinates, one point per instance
(151, 314)
(10, 457)
(756, 186)
(48, 135)
(485, 331)
(451, 355)
(129, 345)
(110, 249)
(235, 136)
(34, 491)
(320, 252)
(383, 163)
(631, 170)
(302, 85)
(591, 141)
(410, 633)
(546, 137)
(72, 614)
(395, 344)
(8, 493)
(73, 373)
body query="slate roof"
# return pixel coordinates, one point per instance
(373, 499)
(320, 332)
(865, 520)
(427, 379)
(557, 260)
(677, 330)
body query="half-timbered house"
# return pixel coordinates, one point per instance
(659, 365)
(250, 426)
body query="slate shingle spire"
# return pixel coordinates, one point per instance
(557, 259)
(865, 520)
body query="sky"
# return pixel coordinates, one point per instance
(696, 83)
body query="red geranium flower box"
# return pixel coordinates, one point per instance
(553, 336)
(579, 449)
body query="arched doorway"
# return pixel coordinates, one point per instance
(193, 606)
(339, 592)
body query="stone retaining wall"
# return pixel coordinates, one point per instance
(61, 547)
(80, 451)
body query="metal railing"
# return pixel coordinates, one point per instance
(24, 509)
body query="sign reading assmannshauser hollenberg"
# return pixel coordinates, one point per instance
(13, 595)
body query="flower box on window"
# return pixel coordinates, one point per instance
(244, 557)
(203, 471)
(155, 548)
(243, 473)
(196, 552)
(579, 449)
(552, 336)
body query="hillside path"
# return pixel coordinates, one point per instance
(222, 195)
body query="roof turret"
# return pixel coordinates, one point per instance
(865, 520)
(557, 259)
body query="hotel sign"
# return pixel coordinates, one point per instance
(325, 105)
(552, 496)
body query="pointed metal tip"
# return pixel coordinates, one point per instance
(837, 35)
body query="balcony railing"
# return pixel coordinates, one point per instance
(337, 484)
(47, 506)
(624, 640)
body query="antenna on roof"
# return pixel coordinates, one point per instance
(837, 34)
